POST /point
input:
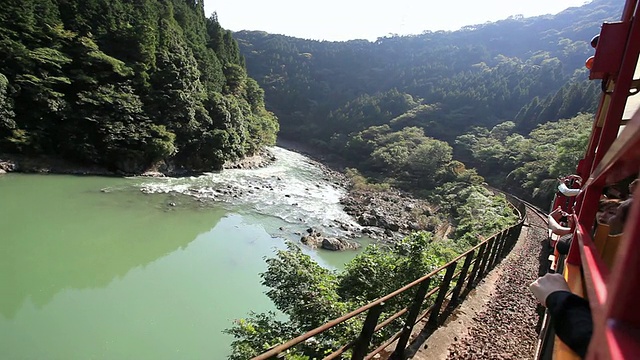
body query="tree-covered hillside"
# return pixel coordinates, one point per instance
(479, 75)
(127, 84)
(525, 70)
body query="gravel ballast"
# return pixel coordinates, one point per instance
(506, 329)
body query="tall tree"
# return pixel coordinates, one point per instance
(131, 83)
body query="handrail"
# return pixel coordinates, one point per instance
(595, 271)
(490, 251)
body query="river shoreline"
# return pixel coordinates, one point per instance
(45, 164)
(383, 215)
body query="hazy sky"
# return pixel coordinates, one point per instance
(358, 19)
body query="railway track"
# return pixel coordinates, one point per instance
(508, 327)
(538, 212)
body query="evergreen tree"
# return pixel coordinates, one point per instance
(130, 83)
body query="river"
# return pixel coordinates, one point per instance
(138, 268)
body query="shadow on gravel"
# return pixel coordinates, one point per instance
(544, 267)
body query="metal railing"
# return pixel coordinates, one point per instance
(471, 267)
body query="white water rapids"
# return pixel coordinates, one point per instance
(294, 189)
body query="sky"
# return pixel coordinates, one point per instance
(339, 20)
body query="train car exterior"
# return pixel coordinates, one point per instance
(605, 269)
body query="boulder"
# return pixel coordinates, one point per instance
(7, 166)
(334, 244)
(392, 226)
(311, 241)
(413, 226)
(367, 219)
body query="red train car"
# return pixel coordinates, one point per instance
(605, 268)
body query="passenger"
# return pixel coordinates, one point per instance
(566, 182)
(570, 314)
(607, 210)
(616, 222)
(564, 232)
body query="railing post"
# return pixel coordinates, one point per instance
(414, 311)
(496, 248)
(485, 258)
(368, 328)
(503, 247)
(494, 253)
(476, 266)
(444, 287)
(460, 282)
(516, 233)
(505, 244)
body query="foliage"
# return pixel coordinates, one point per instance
(528, 70)
(522, 163)
(259, 332)
(406, 155)
(309, 295)
(126, 84)
(378, 271)
(7, 124)
(361, 183)
(477, 212)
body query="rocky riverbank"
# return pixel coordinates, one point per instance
(386, 215)
(393, 211)
(262, 159)
(47, 165)
(42, 164)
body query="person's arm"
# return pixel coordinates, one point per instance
(566, 191)
(555, 227)
(570, 314)
(571, 319)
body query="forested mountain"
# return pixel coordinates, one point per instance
(445, 83)
(479, 75)
(127, 84)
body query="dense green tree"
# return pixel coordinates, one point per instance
(408, 155)
(7, 124)
(428, 162)
(132, 83)
(521, 164)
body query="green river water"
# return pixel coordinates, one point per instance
(123, 274)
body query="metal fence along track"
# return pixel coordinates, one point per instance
(439, 291)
